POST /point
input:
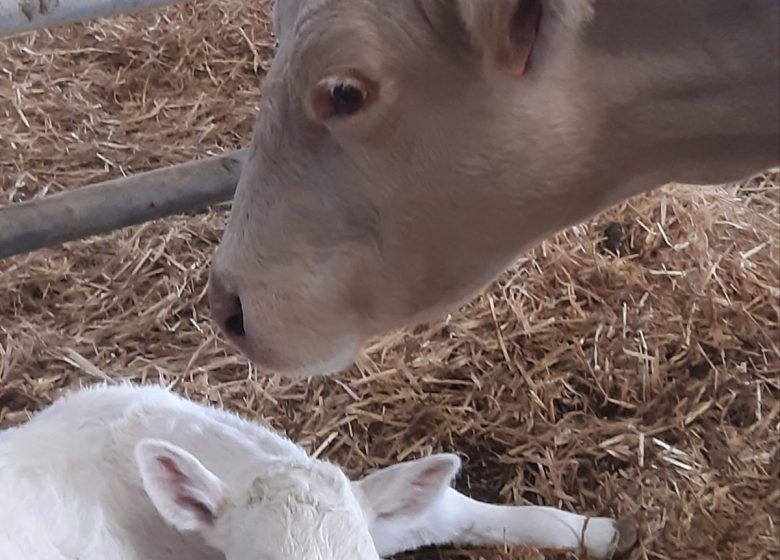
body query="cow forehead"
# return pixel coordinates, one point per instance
(310, 10)
(323, 32)
(324, 20)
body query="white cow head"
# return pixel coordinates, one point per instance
(405, 152)
(288, 511)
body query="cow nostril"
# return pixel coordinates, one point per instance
(234, 324)
(227, 308)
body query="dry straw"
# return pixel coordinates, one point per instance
(628, 366)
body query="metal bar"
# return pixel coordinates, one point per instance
(20, 16)
(115, 204)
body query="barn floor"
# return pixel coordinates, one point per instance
(629, 367)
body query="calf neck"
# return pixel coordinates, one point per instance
(407, 152)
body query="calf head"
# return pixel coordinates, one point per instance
(280, 512)
(286, 511)
(375, 192)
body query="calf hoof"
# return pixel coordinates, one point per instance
(628, 534)
(604, 538)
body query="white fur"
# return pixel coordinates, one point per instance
(138, 473)
(474, 150)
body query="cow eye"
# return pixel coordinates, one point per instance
(342, 96)
(346, 99)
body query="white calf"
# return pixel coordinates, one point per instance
(138, 473)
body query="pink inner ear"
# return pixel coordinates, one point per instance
(429, 476)
(174, 475)
(178, 482)
(202, 512)
(425, 481)
(406, 506)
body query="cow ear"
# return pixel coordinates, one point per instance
(508, 31)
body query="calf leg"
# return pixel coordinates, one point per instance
(411, 505)
(458, 520)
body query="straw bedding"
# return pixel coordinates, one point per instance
(627, 367)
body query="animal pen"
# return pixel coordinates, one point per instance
(627, 366)
(118, 203)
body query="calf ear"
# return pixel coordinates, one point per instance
(185, 493)
(408, 489)
(507, 31)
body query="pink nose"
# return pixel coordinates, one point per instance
(226, 309)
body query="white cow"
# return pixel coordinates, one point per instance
(138, 473)
(408, 151)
